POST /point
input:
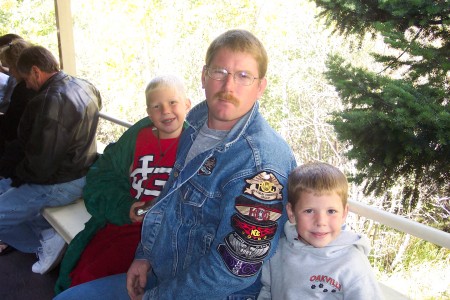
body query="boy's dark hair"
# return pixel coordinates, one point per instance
(319, 178)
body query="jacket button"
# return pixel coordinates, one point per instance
(175, 174)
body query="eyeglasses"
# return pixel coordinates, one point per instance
(240, 77)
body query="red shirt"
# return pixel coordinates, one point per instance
(112, 249)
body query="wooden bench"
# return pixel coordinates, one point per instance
(69, 219)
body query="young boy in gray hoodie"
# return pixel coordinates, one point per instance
(316, 260)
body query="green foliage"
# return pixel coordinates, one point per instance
(419, 250)
(398, 129)
(33, 20)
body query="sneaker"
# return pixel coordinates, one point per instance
(50, 254)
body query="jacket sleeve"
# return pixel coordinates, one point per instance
(237, 253)
(107, 191)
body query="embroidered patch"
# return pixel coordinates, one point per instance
(246, 250)
(236, 266)
(258, 211)
(264, 186)
(208, 167)
(256, 232)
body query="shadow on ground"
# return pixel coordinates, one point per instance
(18, 282)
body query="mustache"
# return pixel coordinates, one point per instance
(227, 96)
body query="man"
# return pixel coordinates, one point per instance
(219, 216)
(56, 145)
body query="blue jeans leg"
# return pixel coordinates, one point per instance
(111, 287)
(20, 210)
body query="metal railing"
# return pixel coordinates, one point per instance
(400, 223)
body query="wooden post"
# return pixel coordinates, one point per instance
(66, 45)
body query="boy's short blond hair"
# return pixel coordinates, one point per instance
(165, 81)
(317, 177)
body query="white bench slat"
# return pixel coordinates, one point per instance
(67, 220)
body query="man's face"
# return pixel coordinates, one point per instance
(32, 78)
(227, 100)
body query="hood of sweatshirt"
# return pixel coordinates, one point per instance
(346, 239)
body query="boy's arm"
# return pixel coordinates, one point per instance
(265, 293)
(365, 284)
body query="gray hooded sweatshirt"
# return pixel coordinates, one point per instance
(339, 270)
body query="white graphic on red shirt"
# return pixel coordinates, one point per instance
(145, 179)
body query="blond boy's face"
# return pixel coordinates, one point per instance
(167, 109)
(318, 218)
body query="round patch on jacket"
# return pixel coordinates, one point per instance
(235, 265)
(208, 167)
(256, 232)
(264, 186)
(245, 249)
(258, 211)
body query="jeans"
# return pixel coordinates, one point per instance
(114, 288)
(21, 221)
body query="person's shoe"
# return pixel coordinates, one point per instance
(50, 254)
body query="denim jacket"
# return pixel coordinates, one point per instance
(219, 216)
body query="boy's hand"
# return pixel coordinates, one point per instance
(137, 278)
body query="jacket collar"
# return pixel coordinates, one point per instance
(58, 76)
(199, 115)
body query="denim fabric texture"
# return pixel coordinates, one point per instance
(20, 210)
(3, 83)
(5, 94)
(185, 234)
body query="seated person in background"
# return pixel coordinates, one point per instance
(21, 95)
(3, 85)
(131, 171)
(5, 41)
(56, 140)
(316, 260)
